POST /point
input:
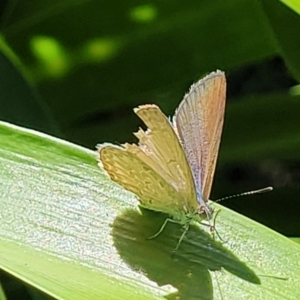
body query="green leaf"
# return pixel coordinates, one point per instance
(19, 102)
(2, 295)
(296, 240)
(293, 4)
(71, 232)
(285, 23)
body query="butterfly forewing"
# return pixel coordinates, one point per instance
(165, 154)
(198, 122)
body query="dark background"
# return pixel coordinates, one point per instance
(76, 69)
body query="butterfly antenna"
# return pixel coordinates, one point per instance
(264, 190)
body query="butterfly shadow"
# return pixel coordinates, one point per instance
(188, 269)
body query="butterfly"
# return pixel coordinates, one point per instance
(172, 167)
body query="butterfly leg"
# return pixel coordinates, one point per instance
(213, 228)
(185, 230)
(162, 228)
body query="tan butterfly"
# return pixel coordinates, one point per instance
(171, 169)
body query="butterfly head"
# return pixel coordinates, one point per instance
(205, 211)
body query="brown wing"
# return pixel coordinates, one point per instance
(198, 122)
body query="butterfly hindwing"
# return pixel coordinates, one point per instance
(129, 171)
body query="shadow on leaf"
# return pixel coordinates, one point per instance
(188, 269)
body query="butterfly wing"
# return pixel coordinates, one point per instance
(162, 175)
(198, 122)
(128, 170)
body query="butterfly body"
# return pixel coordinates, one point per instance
(171, 168)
